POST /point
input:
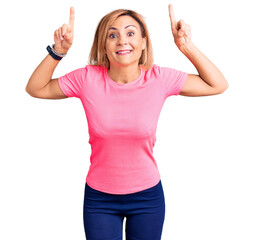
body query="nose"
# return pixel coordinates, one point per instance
(121, 40)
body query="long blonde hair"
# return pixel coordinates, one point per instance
(98, 51)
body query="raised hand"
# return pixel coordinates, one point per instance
(181, 31)
(63, 36)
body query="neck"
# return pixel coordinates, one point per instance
(124, 74)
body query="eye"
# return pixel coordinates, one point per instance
(131, 32)
(111, 35)
(115, 34)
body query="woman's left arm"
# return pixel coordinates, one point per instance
(210, 80)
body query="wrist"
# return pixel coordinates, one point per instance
(54, 54)
(59, 50)
(186, 48)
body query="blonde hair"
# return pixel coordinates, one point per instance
(98, 51)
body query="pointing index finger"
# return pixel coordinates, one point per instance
(172, 16)
(72, 17)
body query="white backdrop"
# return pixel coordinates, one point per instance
(203, 147)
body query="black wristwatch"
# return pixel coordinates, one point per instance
(54, 54)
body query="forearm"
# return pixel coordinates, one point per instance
(42, 74)
(206, 69)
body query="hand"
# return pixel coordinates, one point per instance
(63, 36)
(181, 31)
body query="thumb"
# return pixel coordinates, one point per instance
(181, 32)
(67, 36)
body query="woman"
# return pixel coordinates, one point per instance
(122, 93)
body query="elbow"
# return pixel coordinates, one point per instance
(226, 87)
(29, 91)
(222, 90)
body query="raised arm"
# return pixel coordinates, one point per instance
(210, 80)
(40, 84)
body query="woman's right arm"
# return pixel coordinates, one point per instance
(40, 84)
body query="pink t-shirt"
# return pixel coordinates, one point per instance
(122, 122)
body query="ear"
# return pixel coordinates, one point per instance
(144, 43)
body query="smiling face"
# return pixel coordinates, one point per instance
(124, 34)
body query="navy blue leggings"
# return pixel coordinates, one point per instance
(104, 213)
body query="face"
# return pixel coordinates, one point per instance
(124, 34)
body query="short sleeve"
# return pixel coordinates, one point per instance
(71, 83)
(173, 80)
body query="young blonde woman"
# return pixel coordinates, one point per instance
(122, 93)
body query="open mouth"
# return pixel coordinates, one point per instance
(123, 52)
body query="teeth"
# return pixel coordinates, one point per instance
(124, 51)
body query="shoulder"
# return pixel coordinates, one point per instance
(159, 71)
(94, 70)
(97, 68)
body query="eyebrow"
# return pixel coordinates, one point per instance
(124, 28)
